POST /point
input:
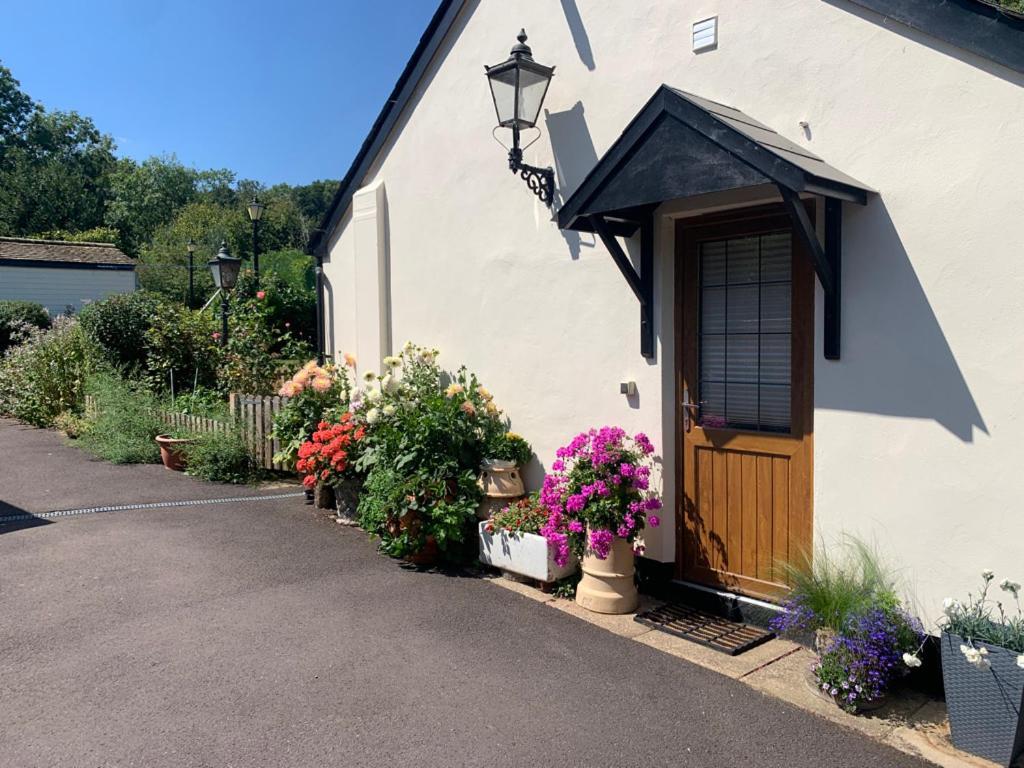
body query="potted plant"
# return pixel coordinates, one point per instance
(861, 632)
(174, 450)
(427, 433)
(599, 501)
(326, 462)
(983, 673)
(511, 541)
(501, 476)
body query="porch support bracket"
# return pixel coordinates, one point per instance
(642, 284)
(827, 259)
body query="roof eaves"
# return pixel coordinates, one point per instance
(440, 24)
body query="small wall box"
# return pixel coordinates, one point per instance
(705, 34)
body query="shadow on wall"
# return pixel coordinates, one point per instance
(575, 156)
(579, 33)
(900, 363)
(947, 49)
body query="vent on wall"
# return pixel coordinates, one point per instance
(705, 35)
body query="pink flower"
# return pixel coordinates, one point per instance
(261, 295)
(653, 521)
(216, 335)
(576, 526)
(321, 383)
(601, 543)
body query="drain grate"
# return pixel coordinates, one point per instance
(707, 629)
(151, 505)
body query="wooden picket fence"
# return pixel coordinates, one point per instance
(252, 414)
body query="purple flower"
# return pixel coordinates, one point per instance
(576, 526)
(601, 543)
(653, 521)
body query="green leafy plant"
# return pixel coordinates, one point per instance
(182, 341)
(427, 434)
(45, 375)
(126, 421)
(70, 423)
(16, 317)
(222, 457)
(523, 516)
(119, 324)
(316, 393)
(509, 446)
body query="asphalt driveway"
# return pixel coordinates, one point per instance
(253, 633)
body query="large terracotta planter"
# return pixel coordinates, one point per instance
(607, 585)
(172, 451)
(501, 483)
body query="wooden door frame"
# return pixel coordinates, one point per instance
(739, 223)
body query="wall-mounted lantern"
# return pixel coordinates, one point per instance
(518, 86)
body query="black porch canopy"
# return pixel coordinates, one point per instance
(681, 145)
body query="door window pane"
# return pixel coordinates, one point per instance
(745, 332)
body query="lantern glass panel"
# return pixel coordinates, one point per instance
(503, 90)
(532, 87)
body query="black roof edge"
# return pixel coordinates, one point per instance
(977, 26)
(440, 23)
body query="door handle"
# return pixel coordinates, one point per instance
(690, 410)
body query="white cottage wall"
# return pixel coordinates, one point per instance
(916, 427)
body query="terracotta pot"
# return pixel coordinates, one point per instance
(410, 521)
(501, 479)
(171, 453)
(607, 585)
(428, 555)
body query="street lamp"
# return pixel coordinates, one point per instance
(255, 209)
(191, 246)
(518, 86)
(225, 269)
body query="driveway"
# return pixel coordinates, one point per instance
(254, 633)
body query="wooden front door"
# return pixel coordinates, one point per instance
(744, 320)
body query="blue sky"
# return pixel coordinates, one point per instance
(275, 91)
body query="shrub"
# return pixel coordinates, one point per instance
(222, 457)
(119, 324)
(315, 393)
(14, 316)
(126, 422)
(182, 341)
(423, 449)
(45, 375)
(288, 295)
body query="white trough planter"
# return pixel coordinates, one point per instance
(525, 554)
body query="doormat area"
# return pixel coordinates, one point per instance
(707, 629)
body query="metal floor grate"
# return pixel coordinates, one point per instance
(707, 629)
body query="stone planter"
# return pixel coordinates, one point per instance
(172, 451)
(501, 483)
(524, 554)
(323, 496)
(985, 705)
(346, 498)
(607, 585)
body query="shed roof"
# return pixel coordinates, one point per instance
(26, 249)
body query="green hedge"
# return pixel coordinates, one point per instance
(14, 314)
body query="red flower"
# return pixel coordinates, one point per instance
(261, 294)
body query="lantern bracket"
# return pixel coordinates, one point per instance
(541, 181)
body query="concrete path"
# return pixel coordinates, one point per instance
(257, 634)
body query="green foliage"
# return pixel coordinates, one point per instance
(508, 446)
(523, 516)
(15, 316)
(984, 619)
(566, 588)
(308, 406)
(119, 324)
(126, 422)
(422, 451)
(45, 375)
(222, 457)
(839, 588)
(70, 423)
(182, 340)
(288, 309)
(94, 235)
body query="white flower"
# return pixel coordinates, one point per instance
(372, 415)
(1012, 587)
(389, 409)
(369, 376)
(1020, 661)
(372, 395)
(389, 384)
(408, 347)
(392, 362)
(911, 660)
(976, 656)
(988, 574)
(950, 606)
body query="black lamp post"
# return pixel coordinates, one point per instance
(255, 209)
(191, 246)
(518, 86)
(225, 269)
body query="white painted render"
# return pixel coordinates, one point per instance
(917, 441)
(57, 288)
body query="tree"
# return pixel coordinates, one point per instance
(16, 108)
